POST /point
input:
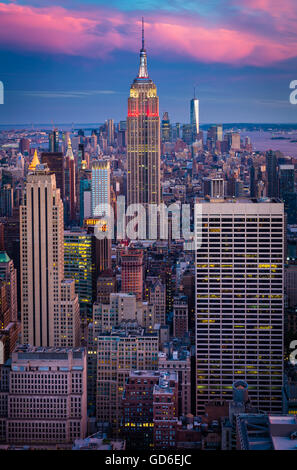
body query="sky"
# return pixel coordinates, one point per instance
(74, 61)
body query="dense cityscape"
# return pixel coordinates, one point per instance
(119, 332)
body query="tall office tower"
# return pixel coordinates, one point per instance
(2, 244)
(176, 131)
(286, 179)
(9, 326)
(219, 133)
(194, 115)
(80, 155)
(180, 316)
(24, 146)
(6, 201)
(253, 182)
(122, 132)
(166, 128)
(122, 126)
(70, 185)
(157, 297)
(103, 245)
(47, 402)
(42, 262)
(81, 263)
(214, 135)
(94, 142)
(100, 188)
(20, 163)
(54, 141)
(287, 191)
(9, 275)
(4, 305)
(126, 348)
(272, 174)
(85, 193)
(187, 134)
(235, 143)
(110, 131)
(143, 138)
(55, 163)
(132, 272)
(239, 301)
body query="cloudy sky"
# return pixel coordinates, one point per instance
(73, 61)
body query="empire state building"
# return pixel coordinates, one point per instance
(143, 137)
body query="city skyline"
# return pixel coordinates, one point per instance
(241, 59)
(148, 264)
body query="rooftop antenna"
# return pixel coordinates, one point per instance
(142, 34)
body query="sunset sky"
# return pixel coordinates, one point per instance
(73, 61)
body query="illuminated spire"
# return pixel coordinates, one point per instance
(143, 73)
(35, 161)
(69, 152)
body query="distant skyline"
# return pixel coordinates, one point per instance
(73, 61)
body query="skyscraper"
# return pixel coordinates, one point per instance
(55, 162)
(81, 264)
(9, 275)
(287, 191)
(6, 201)
(54, 141)
(239, 302)
(100, 188)
(272, 174)
(132, 272)
(166, 128)
(110, 131)
(143, 138)
(44, 295)
(194, 115)
(70, 184)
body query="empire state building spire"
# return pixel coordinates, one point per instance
(143, 73)
(143, 138)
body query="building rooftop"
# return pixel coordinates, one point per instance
(27, 348)
(239, 200)
(4, 258)
(267, 432)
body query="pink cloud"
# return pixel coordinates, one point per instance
(98, 32)
(274, 8)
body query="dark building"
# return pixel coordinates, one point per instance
(253, 186)
(55, 162)
(287, 191)
(54, 141)
(272, 174)
(166, 128)
(24, 146)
